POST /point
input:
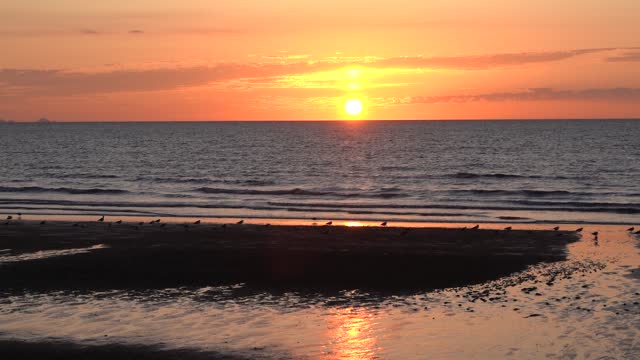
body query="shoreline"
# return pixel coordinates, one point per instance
(95, 255)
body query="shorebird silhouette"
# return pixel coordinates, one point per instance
(579, 230)
(9, 217)
(631, 229)
(197, 222)
(240, 222)
(158, 221)
(329, 223)
(475, 227)
(637, 232)
(595, 234)
(556, 228)
(152, 222)
(19, 216)
(119, 222)
(267, 225)
(508, 228)
(101, 219)
(384, 224)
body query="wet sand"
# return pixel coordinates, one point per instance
(94, 256)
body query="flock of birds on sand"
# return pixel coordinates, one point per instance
(9, 218)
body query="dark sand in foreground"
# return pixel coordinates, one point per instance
(276, 257)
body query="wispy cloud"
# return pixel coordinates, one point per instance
(536, 94)
(626, 57)
(60, 82)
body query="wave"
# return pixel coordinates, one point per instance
(385, 193)
(468, 175)
(525, 192)
(196, 180)
(64, 190)
(415, 209)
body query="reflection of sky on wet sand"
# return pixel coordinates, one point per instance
(587, 312)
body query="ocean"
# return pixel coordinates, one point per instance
(397, 171)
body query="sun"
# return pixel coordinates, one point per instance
(353, 107)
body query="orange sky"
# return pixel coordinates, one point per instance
(79, 60)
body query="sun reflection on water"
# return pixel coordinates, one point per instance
(350, 335)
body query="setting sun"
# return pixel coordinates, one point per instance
(353, 107)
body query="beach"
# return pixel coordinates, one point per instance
(317, 292)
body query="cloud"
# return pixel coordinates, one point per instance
(89, 32)
(136, 32)
(60, 82)
(486, 61)
(626, 57)
(536, 94)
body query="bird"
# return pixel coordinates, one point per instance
(475, 227)
(76, 225)
(267, 225)
(384, 224)
(595, 233)
(329, 223)
(637, 232)
(119, 222)
(19, 215)
(152, 222)
(101, 219)
(464, 228)
(579, 230)
(240, 222)
(158, 221)
(42, 222)
(556, 228)
(197, 222)
(9, 217)
(631, 229)
(508, 228)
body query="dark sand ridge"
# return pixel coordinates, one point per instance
(276, 257)
(63, 351)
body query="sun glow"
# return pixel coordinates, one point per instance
(353, 107)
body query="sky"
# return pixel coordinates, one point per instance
(145, 60)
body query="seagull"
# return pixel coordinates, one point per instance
(101, 219)
(508, 228)
(197, 222)
(631, 229)
(556, 228)
(579, 230)
(475, 227)
(240, 222)
(158, 221)
(119, 222)
(384, 224)
(329, 223)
